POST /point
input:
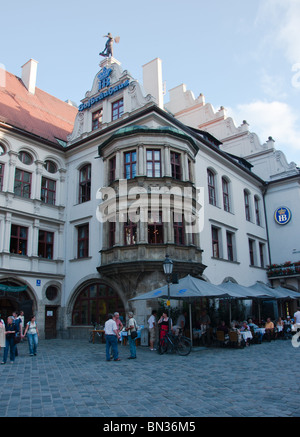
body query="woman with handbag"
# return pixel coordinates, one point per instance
(131, 329)
(32, 336)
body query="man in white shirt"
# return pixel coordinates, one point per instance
(111, 337)
(152, 329)
(297, 318)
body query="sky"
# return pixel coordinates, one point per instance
(240, 54)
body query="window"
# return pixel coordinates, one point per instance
(153, 164)
(112, 170)
(51, 292)
(48, 191)
(25, 157)
(178, 224)
(1, 175)
(85, 184)
(251, 251)
(50, 166)
(155, 228)
(94, 303)
(111, 233)
(215, 242)
(22, 185)
(83, 241)
(45, 248)
(130, 236)
(225, 187)
(176, 165)
(261, 254)
(257, 210)
(247, 205)
(97, 119)
(117, 109)
(229, 237)
(18, 240)
(211, 187)
(130, 165)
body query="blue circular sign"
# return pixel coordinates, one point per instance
(282, 215)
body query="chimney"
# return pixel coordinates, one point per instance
(29, 75)
(152, 80)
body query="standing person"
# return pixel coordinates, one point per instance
(111, 336)
(10, 333)
(2, 333)
(21, 317)
(297, 318)
(152, 329)
(18, 323)
(164, 326)
(119, 324)
(32, 336)
(131, 327)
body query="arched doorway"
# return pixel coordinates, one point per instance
(94, 302)
(15, 297)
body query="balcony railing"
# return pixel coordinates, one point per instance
(286, 269)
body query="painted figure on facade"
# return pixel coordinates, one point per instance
(108, 50)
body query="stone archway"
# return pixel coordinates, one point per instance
(16, 296)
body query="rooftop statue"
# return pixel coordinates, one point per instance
(108, 50)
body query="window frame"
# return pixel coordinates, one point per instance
(155, 228)
(19, 239)
(83, 241)
(85, 184)
(215, 242)
(230, 245)
(2, 167)
(176, 170)
(46, 191)
(211, 184)
(153, 163)
(257, 210)
(225, 191)
(131, 165)
(117, 109)
(247, 205)
(97, 119)
(45, 247)
(23, 184)
(251, 251)
(130, 230)
(179, 229)
(112, 170)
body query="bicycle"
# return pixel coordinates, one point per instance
(175, 343)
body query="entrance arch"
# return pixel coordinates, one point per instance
(16, 296)
(94, 302)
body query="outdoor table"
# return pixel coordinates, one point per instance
(197, 333)
(100, 331)
(279, 328)
(246, 335)
(124, 335)
(260, 330)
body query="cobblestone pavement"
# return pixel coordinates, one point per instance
(70, 378)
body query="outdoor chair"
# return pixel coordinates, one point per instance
(233, 339)
(220, 337)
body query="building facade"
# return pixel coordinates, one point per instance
(93, 198)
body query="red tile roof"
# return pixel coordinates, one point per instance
(40, 114)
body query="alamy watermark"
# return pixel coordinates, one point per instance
(152, 204)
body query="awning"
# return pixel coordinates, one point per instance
(12, 288)
(277, 292)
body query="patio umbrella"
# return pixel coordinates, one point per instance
(187, 288)
(277, 292)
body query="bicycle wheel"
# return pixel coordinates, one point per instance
(184, 346)
(163, 345)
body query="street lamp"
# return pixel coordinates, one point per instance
(168, 269)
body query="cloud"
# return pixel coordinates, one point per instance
(276, 119)
(280, 20)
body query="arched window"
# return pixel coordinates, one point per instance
(247, 205)
(257, 210)
(211, 187)
(85, 183)
(225, 188)
(25, 157)
(94, 303)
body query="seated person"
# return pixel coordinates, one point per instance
(235, 329)
(269, 327)
(180, 324)
(245, 326)
(253, 327)
(223, 327)
(205, 325)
